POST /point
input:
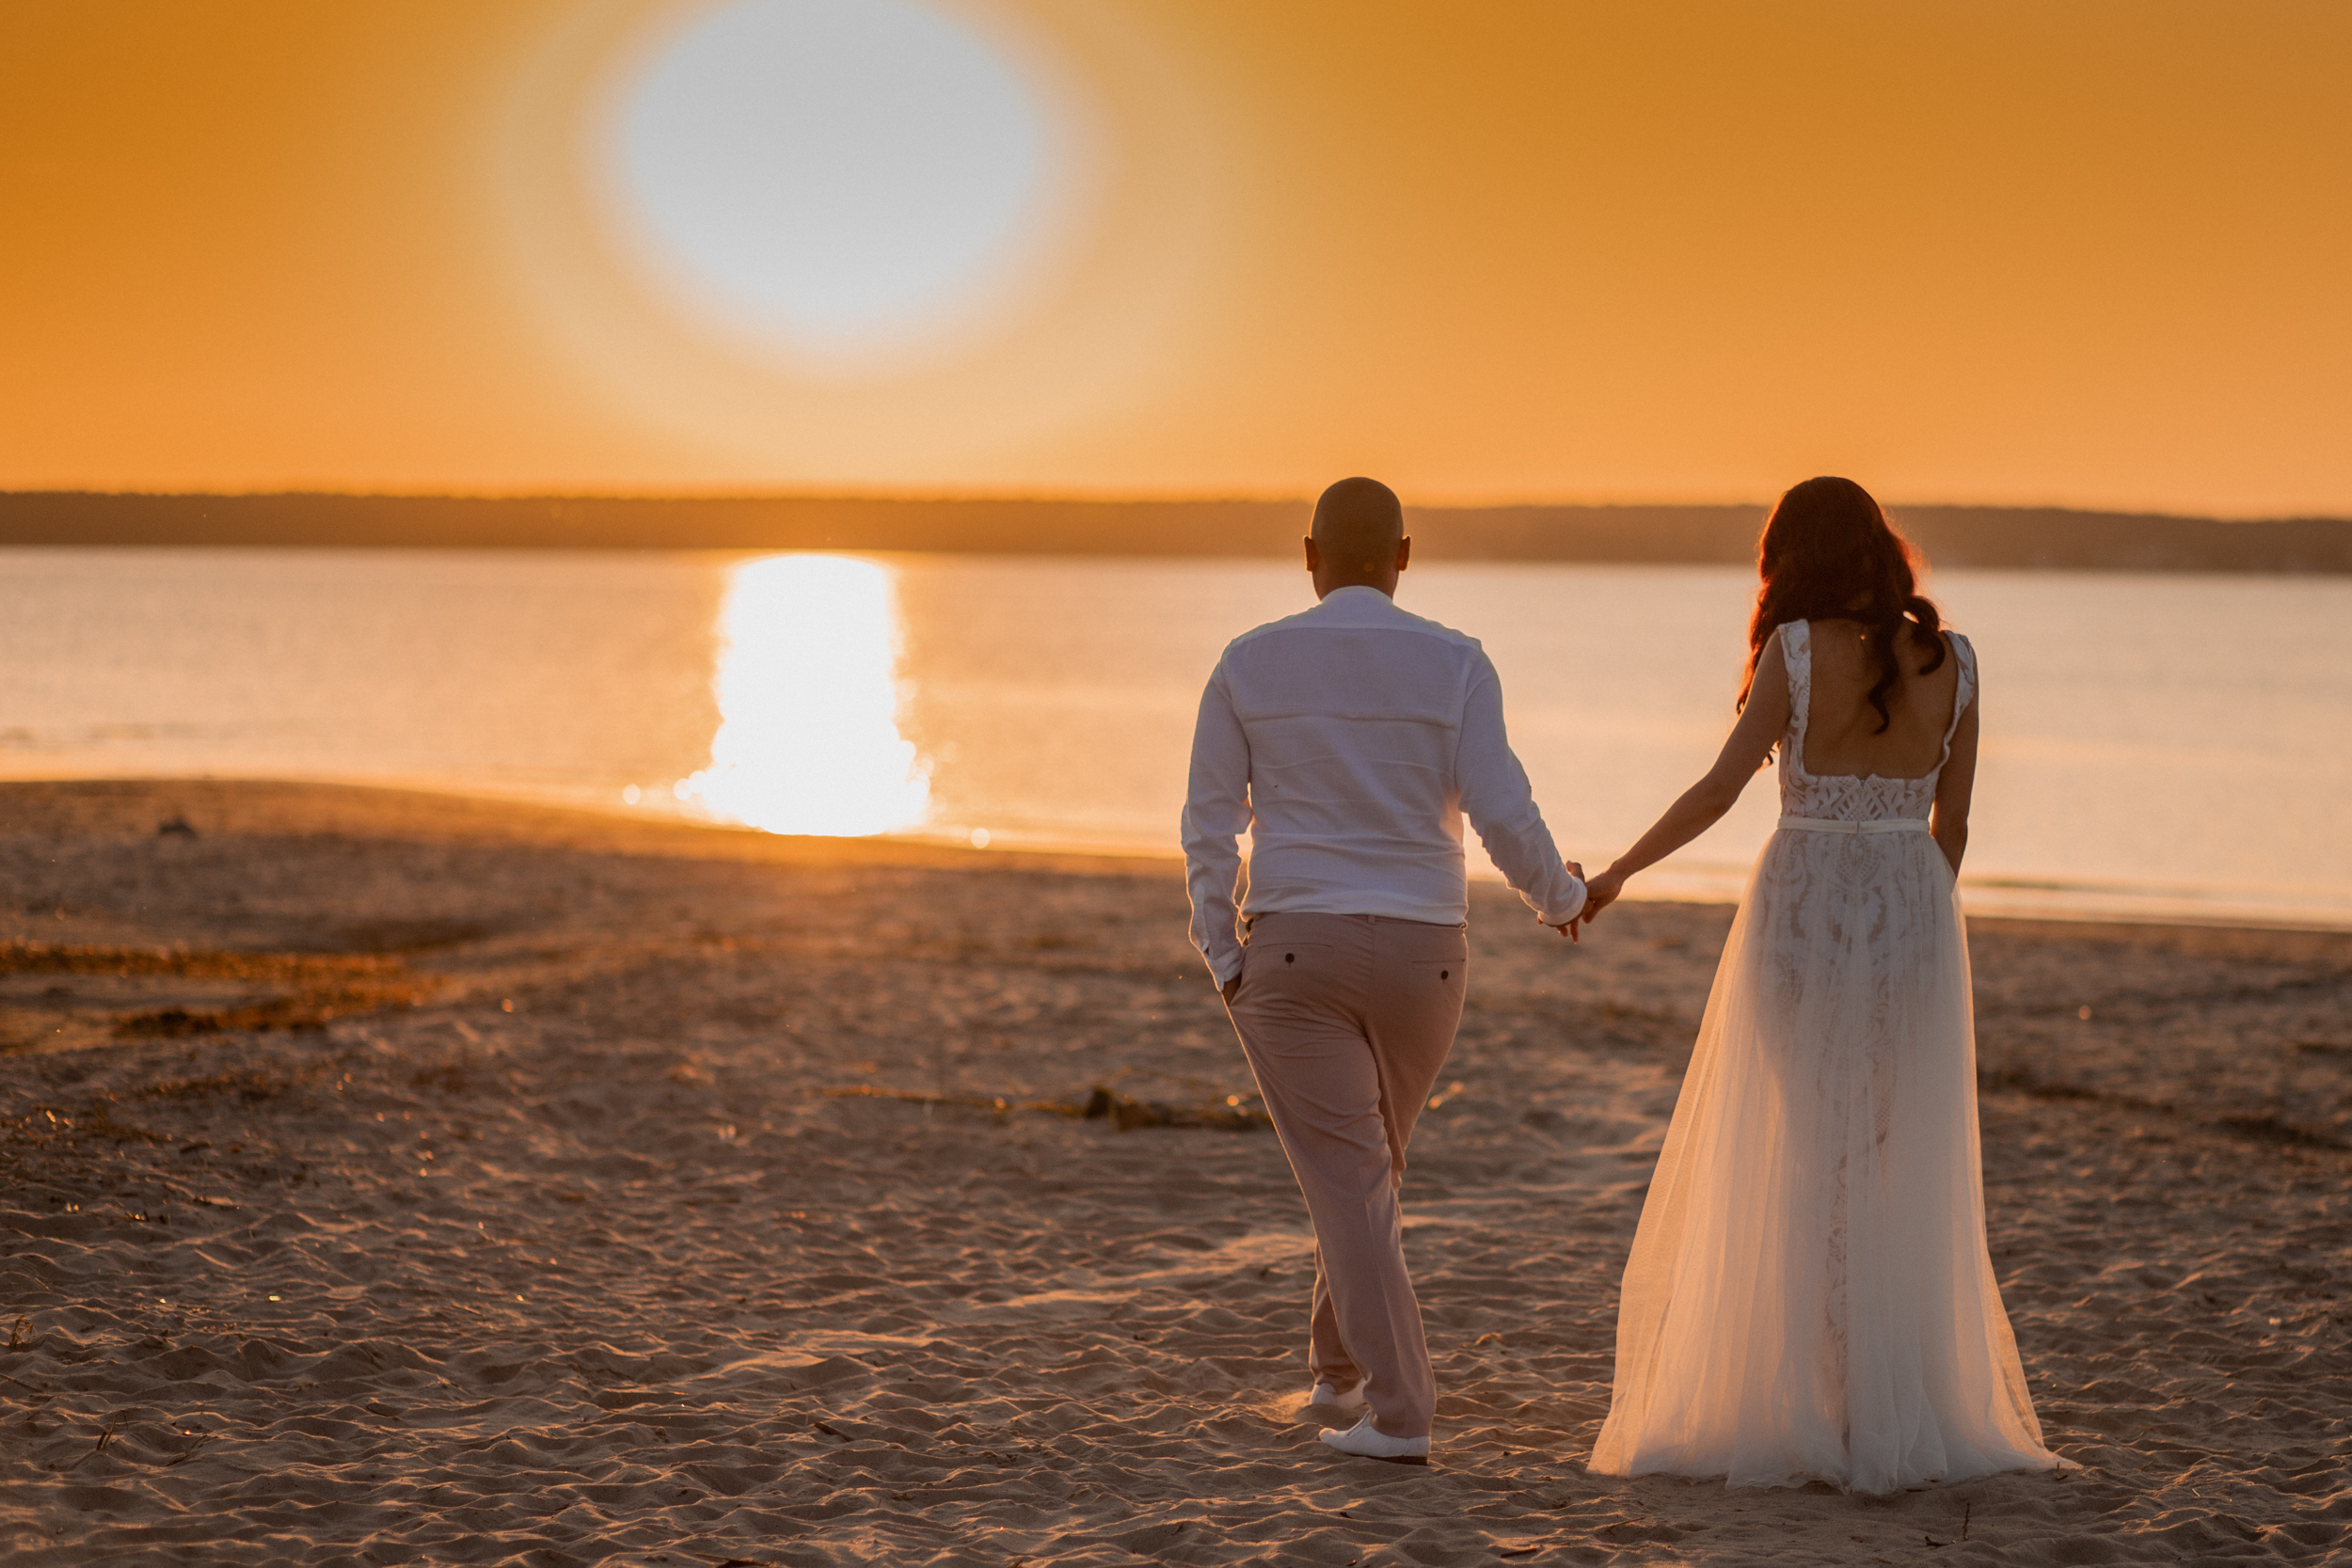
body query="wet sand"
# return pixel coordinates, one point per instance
(392, 1179)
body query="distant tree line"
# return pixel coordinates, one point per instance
(2038, 537)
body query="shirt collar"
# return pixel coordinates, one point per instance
(1357, 597)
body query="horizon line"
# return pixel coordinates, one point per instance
(1081, 498)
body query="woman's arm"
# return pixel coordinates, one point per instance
(1948, 820)
(1762, 723)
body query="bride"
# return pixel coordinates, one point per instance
(1810, 1295)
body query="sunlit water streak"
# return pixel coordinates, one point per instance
(2156, 745)
(807, 688)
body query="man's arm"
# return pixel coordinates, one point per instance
(1217, 813)
(1499, 803)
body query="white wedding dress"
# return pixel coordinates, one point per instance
(1810, 1295)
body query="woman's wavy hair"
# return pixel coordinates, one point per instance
(1828, 553)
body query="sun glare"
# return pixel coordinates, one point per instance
(806, 684)
(835, 176)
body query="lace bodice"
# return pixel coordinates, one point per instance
(1846, 796)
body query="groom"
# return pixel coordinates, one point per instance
(1349, 741)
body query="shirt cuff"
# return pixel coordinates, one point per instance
(1223, 967)
(1560, 915)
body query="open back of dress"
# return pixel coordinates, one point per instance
(1809, 1294)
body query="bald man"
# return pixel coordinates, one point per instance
(1349, 741)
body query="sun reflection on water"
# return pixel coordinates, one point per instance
(808, 738)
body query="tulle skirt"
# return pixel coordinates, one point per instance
(1810, 1295)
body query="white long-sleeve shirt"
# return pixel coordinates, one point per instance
(1350, 741)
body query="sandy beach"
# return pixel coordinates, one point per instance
(398, 1178)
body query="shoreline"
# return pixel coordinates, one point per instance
(319, 805)
(401, 1174)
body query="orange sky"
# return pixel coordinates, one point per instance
(2087, 253)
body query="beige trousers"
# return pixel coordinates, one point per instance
(1346, 1019)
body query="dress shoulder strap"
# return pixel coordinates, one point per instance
(1796, 651)
(1963, 690)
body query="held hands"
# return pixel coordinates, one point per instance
(1568, 928)
(1599, 892)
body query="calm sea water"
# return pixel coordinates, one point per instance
(2153, 745)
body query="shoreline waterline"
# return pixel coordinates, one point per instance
(361, 801)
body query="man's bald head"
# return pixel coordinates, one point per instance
(1358, 524)
(1357, 538)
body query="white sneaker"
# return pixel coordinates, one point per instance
(1337, 1398)
(1367, 1441)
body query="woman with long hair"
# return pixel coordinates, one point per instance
(1810, 1295)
